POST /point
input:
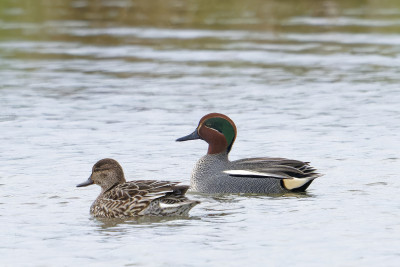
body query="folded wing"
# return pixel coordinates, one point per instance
(294, 175)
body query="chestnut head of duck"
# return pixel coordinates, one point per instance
(218, 130)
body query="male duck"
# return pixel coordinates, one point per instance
(121, 199)
(214, 173)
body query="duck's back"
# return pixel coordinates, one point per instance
(216, 174)
(143, 197)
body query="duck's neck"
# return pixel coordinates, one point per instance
(118, 178)
(220, 157)
(103, 190)
(216, 141)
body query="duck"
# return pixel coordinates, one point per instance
(214, 173)
(122, 199)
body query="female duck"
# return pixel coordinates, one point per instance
(214, 173)
(121, 199)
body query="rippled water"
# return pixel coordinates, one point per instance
(310, 80)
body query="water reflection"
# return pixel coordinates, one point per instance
(49, 19)
(116, 224)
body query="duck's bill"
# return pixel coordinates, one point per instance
(86, 183)
(192, 136)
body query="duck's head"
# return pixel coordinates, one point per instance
(218, 130)
(106, 173)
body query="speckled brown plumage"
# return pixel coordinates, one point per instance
(120, 199)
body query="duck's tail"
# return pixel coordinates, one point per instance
(180, 208)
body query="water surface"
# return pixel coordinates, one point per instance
(311, 80)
